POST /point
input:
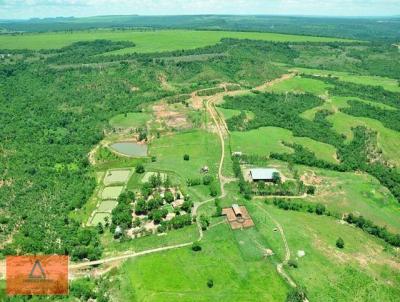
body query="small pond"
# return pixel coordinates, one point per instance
(130, 149)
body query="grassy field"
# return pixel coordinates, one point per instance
(184, 235)
(386, 83)
(300, 85)
(362, 271)
(116, 176)
(388, 139)
(231, 259)
(111, 192)
(107, 206)
(360, 194)
(100, 218)
(267, 140)
(131, 120)
(146, 41)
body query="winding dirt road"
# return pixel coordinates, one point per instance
(223, 132)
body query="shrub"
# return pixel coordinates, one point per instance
(210, 283)
(139, 169)
(340, 243)
(196, 247)
(186, 157)
(207, 179)
(169, 197)
(320, 209)
(310, 190)
(214, 189)
(296, 295)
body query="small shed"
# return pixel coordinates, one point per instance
(263, 174)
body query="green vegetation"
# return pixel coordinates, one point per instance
(220, 260)
(130, 120)
(386, 83)
(333, 139)
(299, 85)
(145, 41)
(324, 270)
(266, 140)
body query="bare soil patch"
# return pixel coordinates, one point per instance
(171, 118)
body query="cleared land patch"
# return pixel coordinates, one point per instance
(363, 267)
(386, 83)
(130, 120)
(360, 194)
(267, 140)
(111, 192)
(147, 41)
(107, 206)
(100, 218)
(116, 176)
(388, 139)
(237, 276)
(299, 85)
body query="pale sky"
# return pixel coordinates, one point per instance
(22, 9)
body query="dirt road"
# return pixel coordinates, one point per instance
(222, 130)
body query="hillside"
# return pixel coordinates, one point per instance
(188, 165)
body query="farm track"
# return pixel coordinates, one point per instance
(222, 130)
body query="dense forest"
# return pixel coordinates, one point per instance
(379, 29)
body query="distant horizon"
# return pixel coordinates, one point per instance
(205, 14)
(28, 9)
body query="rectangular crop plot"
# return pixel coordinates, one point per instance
(107, 206)
(116, 176)
(100, 218)
(111, 192)
(147, 176)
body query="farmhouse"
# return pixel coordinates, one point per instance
(263, 174)
(238, 217)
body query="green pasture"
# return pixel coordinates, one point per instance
(361, 194)
(202, 147)
(267, 140)
(362, 271)
(111, 192)
(130, 120)
(116, 176)
(299, 85)
(228, 113)
(335, 103)
(386, 83)
(388, 139)
(184, 235)
(100, 218)
(146, 41)
(107, 206)
(239, 272)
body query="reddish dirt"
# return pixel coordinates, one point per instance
(171, 118)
